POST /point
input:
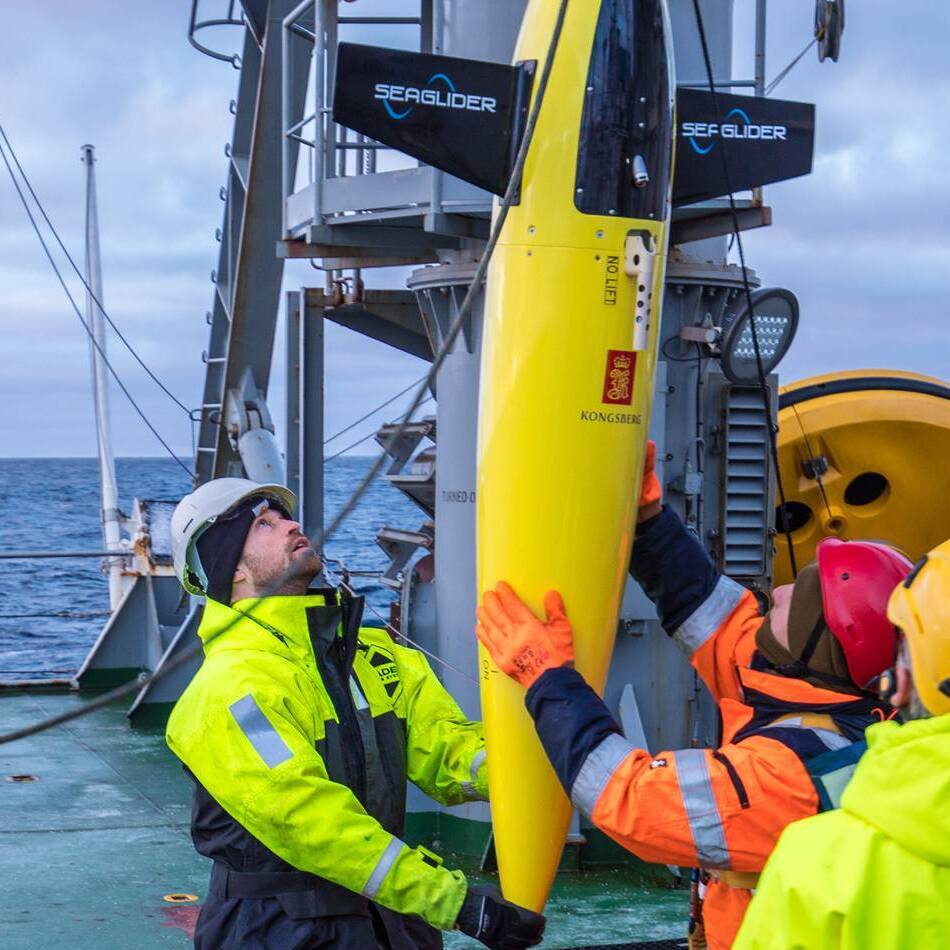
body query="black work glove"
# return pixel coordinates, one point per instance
(497, 923)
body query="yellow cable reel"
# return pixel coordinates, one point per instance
(864, 455)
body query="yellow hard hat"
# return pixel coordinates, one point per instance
(920, 606)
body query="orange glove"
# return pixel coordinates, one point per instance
(520, 644)
(650, 491)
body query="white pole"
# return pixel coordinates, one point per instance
(111, 526)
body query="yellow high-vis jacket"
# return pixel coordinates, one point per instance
(300, 731)
(874, 874)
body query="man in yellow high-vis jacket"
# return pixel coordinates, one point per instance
(875, 873)
(300, 732)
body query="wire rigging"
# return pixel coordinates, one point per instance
(188, 654)
(352, 445)
(82, 319)
(365, 438)
(763, 383)
(771, 86)
(82, 277)
(816, 463)
(817, 38)
(68, 614)
(372, 412)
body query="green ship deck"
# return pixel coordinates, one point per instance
(90, 849)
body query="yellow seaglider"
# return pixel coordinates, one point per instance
(571, 323)
(864, 454)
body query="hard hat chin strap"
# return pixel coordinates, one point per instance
(811, 644)
(799, 668)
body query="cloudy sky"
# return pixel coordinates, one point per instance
(861, 241)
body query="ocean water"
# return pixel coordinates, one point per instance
(51, 611)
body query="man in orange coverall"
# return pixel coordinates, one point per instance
(796, 690)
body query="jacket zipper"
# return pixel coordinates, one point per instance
(336, 676)
(734, 776)
(353, 722)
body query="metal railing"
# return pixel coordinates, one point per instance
(312, 28)
(228, 18)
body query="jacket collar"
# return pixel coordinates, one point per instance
(790, 689)
(771, 696)
(272, 624)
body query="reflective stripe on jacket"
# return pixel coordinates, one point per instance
(303, 728)
(720, 809)
(876, 872)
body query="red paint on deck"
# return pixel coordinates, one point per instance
(182, 918)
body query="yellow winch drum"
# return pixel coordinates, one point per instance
(864, 454)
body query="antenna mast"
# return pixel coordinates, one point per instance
(111, 517)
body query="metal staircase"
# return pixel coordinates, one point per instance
(412, 471)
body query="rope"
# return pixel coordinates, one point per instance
(82, 319)
(189, 654)
(80, 275)
(763, 383)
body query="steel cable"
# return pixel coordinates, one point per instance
(760, 369)
(82, 319)
(341, 577)
(353, 445)
(188, 654)
(815, 462)
(82, 277)
(38, 672)
(817, 38)
(772, 85)
(373, 412)
(67, 614)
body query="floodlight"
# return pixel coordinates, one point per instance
(776, 320)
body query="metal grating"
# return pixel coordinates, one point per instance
(746, 497)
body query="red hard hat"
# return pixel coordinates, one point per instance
(857, 578)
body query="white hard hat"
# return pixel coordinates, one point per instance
(201, 509)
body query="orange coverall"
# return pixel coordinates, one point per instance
(717, 809)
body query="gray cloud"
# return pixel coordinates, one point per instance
(861, 240)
